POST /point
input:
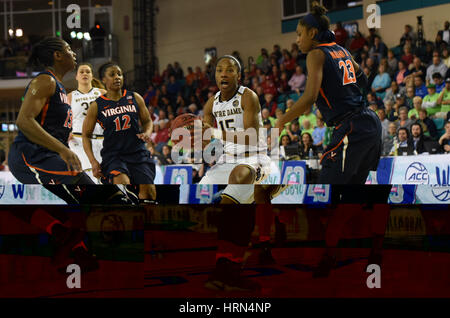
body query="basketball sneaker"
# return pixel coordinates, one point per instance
(227, 276)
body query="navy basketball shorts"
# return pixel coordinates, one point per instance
(33, 164)
(142, 172)
(354, 150)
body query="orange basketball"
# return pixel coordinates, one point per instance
(184, 121)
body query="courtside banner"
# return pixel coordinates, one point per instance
(198, 193)
(13, 192)
(181, 174)
(430, 170)
(432, 194)
(293, 172)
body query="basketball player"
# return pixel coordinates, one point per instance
(125, 159)
(79, 100)
(235, 109)
(40, 153)
(334, 84)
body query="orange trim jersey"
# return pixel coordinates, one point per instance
(56, 115)
(339, 93)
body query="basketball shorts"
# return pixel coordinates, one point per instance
(33, 164)
(240, 193)
(76, 145)
(354, 150)
(139, 172)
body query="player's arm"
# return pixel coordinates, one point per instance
(88, 128)
(69, 98)
(144, 118)
(314, 63)
(39, 92)
(208, 118)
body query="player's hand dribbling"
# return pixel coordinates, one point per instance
(96, 170)
(71, 159)
(144, 137)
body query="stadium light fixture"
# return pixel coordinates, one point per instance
(79, 35)
(19, 33)
(87, 36)
(73, 34)
(11, 32)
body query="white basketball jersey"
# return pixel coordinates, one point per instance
(229, 116)
(80, 105)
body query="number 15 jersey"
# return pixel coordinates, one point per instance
(339, 92)
(120, 122)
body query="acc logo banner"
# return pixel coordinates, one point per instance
(293, 172)
(178, 175)
(420, 170)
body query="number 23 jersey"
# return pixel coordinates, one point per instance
(120, 121)
(80, 104)
(339, 92)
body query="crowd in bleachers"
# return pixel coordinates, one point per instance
(409, 90)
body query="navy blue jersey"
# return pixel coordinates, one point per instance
(120, 121)
(339, 93)
(56, 115)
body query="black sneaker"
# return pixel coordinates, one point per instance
(227, 277)
(325, 266)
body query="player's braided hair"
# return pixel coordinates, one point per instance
(102, 69)
(42, 53)
(319, 13)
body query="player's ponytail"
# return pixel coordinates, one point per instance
(318, 19)
(42, 52)
(96, 83)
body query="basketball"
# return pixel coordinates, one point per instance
(184, 121)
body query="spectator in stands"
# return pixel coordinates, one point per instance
(357, 43)
(168, 72)
(341, 34)
(402, 73)
(285, 141)
(289, 62)
(384, 122)
(444, 100)
(399, 102)
(3, 163)
(162, 135)
(378, 51)
(439, 44)
(307, 127)
(373, 106)
(269, 86)
(403, 120)
(372, 97)
(392, 92)
(157, 79)
(446, 57)
(444, 141)
(269, 104)
(428, 125)
(371, 36)
(430, 101)
(391, 114)
(413, 114)
(309, 115)
(427, 57)
(276, 53)
(407, 56)
(392, 63)
(421, 88)
(307, 144)
(166, 158)
(295, 51)
(445, 33)
(298, 80)
(417, 69)
(294, 131)
(418, 138)
(173, 87)
(437, 66)
(319, 134)
(403, 141)
(438, 81)
(179, 74)
(389, 139)
(283, 84)
(408, 34)
(264, 62)
(381, 82)
(410, 94)
(289, 103)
